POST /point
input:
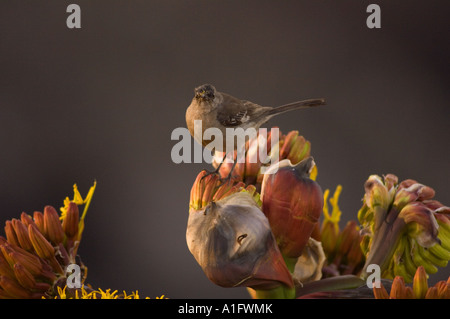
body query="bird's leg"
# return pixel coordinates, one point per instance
(216, 171)
(239, 154)
(230, 174)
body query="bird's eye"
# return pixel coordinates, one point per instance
(241, 238)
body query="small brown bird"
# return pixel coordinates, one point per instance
(220, 110)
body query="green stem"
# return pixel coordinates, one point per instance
(281, 292)
(290, 263)
(330, 284)
(384, 243)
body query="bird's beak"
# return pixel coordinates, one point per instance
(200, 94)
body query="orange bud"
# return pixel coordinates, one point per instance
(211, 182)
(52, 225)
(347, 238)
(22, 234)
(26, 219)
(71, 220)
(420, 283)
(355, 258)
(32, 264)
(11, 234)
(380, 293)
(41, 245)
(443, 290)
(41, 286)
(24, 277)
(408, 293)
(4, 294)
(397, 289)
(198, 189)
(5, 268)
(39, 221)
(253, 162)
(432, 293)
(295, 147)
(13, 288)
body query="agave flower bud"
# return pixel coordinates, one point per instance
(443, 290)
(43, 248)
(24, 277)
(419, 289)
(410, 190)
(403, 227)
(71, 220)
(29, 261)
(40, 244)
(349, 253)
(421, 223)
(38, 218)
(420, 283)
(12, 289)
(10, 233)
(257, 153)
(398, 288)
(263, 151)
(380, 292)
(208, 188)
(292, 203)
(294, 147)
(432, 293)
(232, 242)
(52, 225)
(22, 234)
(5, 267)
(377, 198)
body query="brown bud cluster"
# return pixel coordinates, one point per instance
(36, 251)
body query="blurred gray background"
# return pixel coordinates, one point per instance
(99, 103)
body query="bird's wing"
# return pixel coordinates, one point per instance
(234, 112)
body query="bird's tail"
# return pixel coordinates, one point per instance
(294, 106)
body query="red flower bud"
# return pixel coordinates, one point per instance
(293, 203)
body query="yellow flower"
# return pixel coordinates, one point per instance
(82, 293)
(330, 226)
(78, 199)
(342, 248)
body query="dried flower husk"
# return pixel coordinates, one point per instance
(232, 242)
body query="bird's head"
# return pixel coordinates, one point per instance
(205, 92)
